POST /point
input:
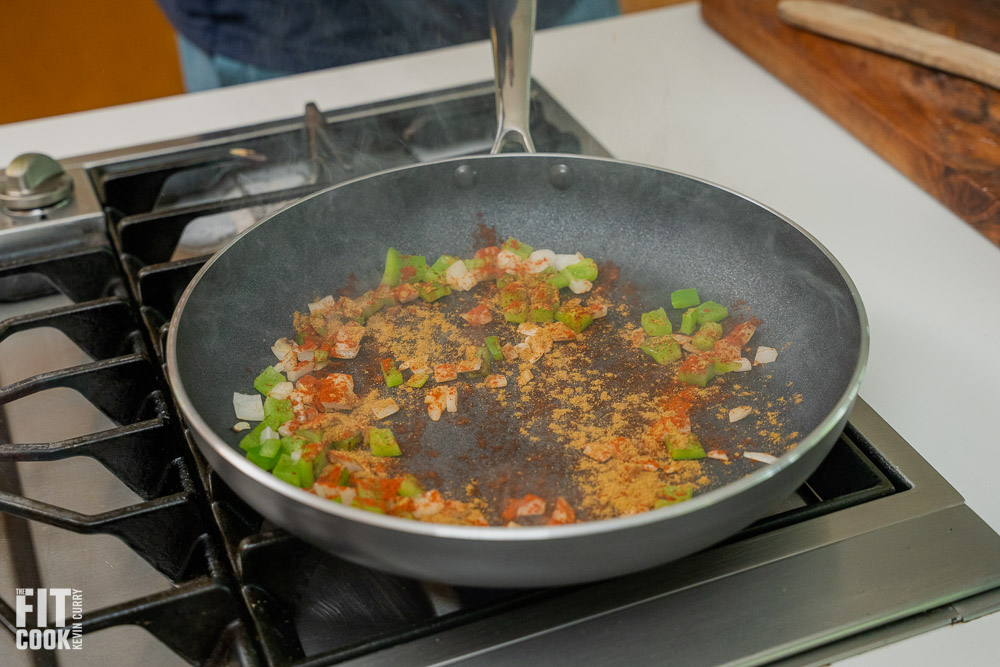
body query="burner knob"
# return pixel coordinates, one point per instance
(34, 180)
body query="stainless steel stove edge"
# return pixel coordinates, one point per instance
(802, 595)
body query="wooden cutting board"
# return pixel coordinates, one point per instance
(940, 130)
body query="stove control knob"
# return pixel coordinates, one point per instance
(34, 180)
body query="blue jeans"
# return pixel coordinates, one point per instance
(203, 70)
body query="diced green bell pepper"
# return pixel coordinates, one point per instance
(711, 311)
(265, 382)
(493, 345)
(697, 370)
(285, 470)
(291, 443)
(382, 442)
(558, 279)
(440, 267)
(522, 250)
(308, 435)
(431, 291)
(544, 300)
(585, 269)
(723, 367)
(252, 439)
(707, 335)
(575, 317)
(506, 279)
(280, 409)
(689, 322)
(391, 373)
(484, 368)
(514, 302)
(671, 494)
(663, 350)
(417, 380)
(393, 263)
(300, 338)
(347, 444)
(655, 323)
(475, 263)
(684, 447)
(684, 298)
(265, 460)
(410, 487)
(368, 505)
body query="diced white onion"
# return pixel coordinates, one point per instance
(347, 495)
(717, 454)
(739, 413)
(284, 431)
(506, 260)
(745, 365)
(496, 381)
(282, 390)
(454, 274)
(287, 361)
(765, 355)
(281, 347)
(681, 338)
(560, 262)
(306, 355)
(241, 426)
(384, 408)
(451, 399)
(300, 370)
(320, 365)
(434, 410)
(248, 406)
(760, 456)
(539, 260)
(580, 286)
(268, 434)
(296, 455)
(323, 304)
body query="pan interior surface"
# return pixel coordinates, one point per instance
(662, 230)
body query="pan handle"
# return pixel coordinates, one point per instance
(512, 27)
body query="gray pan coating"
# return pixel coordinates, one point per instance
(664, 229)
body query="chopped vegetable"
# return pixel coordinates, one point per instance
(760, 457)
(672, 494)
(689, 322)
(410, 487)
(655, 323)
(248, 406)
(522, 250)
(765, 355)
(241, 426)
(445, 372)
(266, 381)
(383, 408)
(417, 380)
(393, 264)
(697, 370)
(575, 317)
(707, 335)
(281, 410)
(478, 316)
(663, 349)
(710, 311)
(493, 345)
(382, 442)
(495, 381)
(684, 298)
(684, 447)
(585, 269)
(740, 412)
(432, 291)
(393, 377)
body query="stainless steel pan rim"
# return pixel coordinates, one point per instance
(526, 533)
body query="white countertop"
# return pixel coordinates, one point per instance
(662, 88)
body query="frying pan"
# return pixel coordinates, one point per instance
(661, 227)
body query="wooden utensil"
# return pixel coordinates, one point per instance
(895, 38)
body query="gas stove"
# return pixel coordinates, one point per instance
(103, 492)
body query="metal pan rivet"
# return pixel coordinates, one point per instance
(560, 176)
(464, 177)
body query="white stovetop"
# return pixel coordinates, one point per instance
(662, 88)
